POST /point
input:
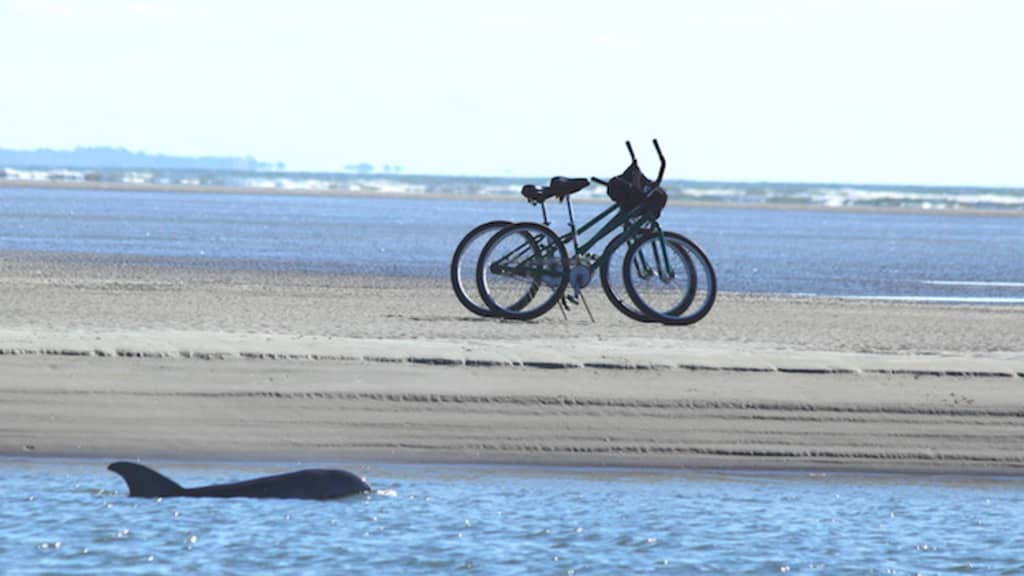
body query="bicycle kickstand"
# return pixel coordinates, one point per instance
(586, 306)
(576, 298)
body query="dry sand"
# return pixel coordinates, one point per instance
(124, 359)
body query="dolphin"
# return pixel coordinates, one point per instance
(307, 484)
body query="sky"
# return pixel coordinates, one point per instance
(859, 91)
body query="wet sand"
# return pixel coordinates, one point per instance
(122, 358)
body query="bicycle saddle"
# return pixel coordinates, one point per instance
(562, 186)
(536, 195)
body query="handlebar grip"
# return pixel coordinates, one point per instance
(630, 147)
(661, 171)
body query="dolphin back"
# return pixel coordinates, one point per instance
(145, 482)
(306, 484)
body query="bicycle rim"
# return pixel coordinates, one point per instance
(463, 266)
(678, 291)
(523, 271)
(612, 279)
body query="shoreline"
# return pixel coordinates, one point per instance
(129, 360)
(212, 189)
(369, 468)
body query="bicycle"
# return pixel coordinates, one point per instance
(467, 252)
(525, 260)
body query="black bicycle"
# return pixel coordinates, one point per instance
(649, 274)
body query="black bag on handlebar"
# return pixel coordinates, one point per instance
(627, 190)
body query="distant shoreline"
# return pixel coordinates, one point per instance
(256, 190)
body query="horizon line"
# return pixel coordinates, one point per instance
(399, 172)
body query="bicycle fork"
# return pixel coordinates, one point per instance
(662, 267)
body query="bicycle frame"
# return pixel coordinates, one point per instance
(632, 221)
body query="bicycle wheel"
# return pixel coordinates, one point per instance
(523, 271)
(611, 277)
(463, 267)
(672, 281)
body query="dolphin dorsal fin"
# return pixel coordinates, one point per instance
(145, 482)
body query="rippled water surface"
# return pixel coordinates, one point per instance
(956, 258)
(61, 517)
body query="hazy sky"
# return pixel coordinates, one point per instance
(888, 91)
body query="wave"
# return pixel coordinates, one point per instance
(781, 194)
(846, 195)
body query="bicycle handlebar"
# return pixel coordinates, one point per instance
(661, 170)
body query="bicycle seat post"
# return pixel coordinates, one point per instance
(544, 212)
(572, 225)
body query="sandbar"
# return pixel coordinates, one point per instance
(130, 358)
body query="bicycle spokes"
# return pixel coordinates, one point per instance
(523, 271)
(653, 277)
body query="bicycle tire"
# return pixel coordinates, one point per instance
(519, 264)
(612, 275)
(702, 286)
(463, 272)
(638, 269)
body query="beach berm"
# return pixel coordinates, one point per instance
(131, 358)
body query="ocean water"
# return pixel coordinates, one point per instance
(939, 256)
(800, 194)
(73, 517)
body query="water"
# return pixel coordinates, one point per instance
(937, 256)
(61, 517)
(766, 193)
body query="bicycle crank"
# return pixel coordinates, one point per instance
(579, 277)
(582, 272)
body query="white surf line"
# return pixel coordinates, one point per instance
(973, 283)
(942, 299)
(904, 298)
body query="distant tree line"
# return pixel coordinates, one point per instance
(108, 157)
(367, 168)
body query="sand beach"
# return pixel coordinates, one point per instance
(126, 358)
